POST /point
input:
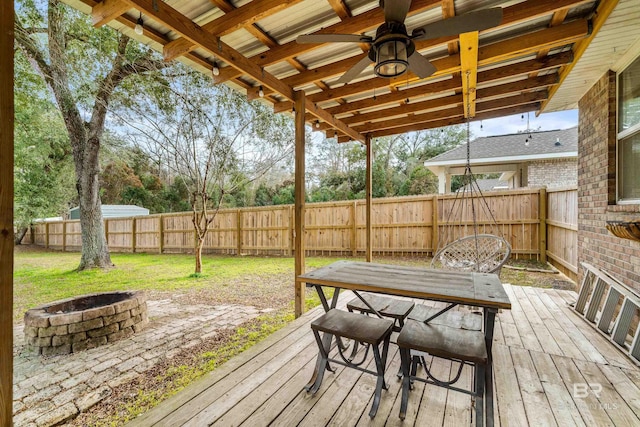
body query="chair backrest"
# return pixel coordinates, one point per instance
(484, 253)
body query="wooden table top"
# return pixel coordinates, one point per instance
(477, 289)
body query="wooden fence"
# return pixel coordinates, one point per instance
(401, 226)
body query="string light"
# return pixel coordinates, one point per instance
(261, 92)
(139, 28)
(215, 70)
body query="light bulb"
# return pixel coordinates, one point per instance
(317, 124)
(139, 29)
(261, 92)
(215, 70)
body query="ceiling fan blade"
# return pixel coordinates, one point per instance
(420, 65)
(473, 21)
(355, 71)
(395, 10)
(334, 38)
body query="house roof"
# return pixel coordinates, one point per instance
(515, 147)
(514, 67)
(488, 184)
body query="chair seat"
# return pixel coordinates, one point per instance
(367, 329)
(470, 321)
(389, 307)
(444, 341)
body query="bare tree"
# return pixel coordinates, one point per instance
(212, 139)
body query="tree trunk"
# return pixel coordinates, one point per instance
(199, 247)
(20, 235)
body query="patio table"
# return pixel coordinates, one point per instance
(481, 290)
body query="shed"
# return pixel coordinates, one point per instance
(113, 211)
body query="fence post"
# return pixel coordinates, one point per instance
(434, 225)
(239, 228)
(133, 235)
(64, 236)
(291, 229)
(46, 235)
(160, 234)
(542, 232)
(106, 231)
(354, 229)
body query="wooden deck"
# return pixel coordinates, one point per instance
(551, 368)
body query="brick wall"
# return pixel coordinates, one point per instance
(553, 173)
(596, 187)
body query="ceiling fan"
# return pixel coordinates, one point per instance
(393, 50)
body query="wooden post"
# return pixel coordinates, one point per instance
(239, 226)
(291, 230)
(46, 235)
(160, 234)
(299, 104)
(368, 192)
(133, 235)
(106, 231)
(354, 229)
(434, 224)
(542, 232)
(64, 236)
(6, 212)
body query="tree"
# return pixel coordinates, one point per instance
(212, 140)
(83, 67)
(42, 154)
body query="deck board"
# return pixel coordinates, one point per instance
(541, 349)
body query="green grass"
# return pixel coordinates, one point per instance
(43, 277)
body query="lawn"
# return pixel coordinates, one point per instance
(44, 276)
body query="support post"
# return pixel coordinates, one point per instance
(291, 231)
(542, 207)
(6, 212)
(239, 232)
(46, 235)
(299, 104)
(368, 191)
(434, 225)
(160, 234)
(354, 229)
(106, 231)
(64, 236)
(133, 235)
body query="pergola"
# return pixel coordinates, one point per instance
(524, 64)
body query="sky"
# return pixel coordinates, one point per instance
(516, 123)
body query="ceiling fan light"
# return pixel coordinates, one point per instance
(391, 58)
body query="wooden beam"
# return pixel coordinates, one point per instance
(6, 211)
(455, 120)
(235, 19)
(354, 25)
(485, 106)
(165, 14)
(487, 55)
(299, 192)
(498, 73)
(520, 12)
(449, 11)
(602, 13)
(107, 10)
(368, 198)
(452, 100)
(469, 70)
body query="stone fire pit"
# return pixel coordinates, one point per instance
(76, 324)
